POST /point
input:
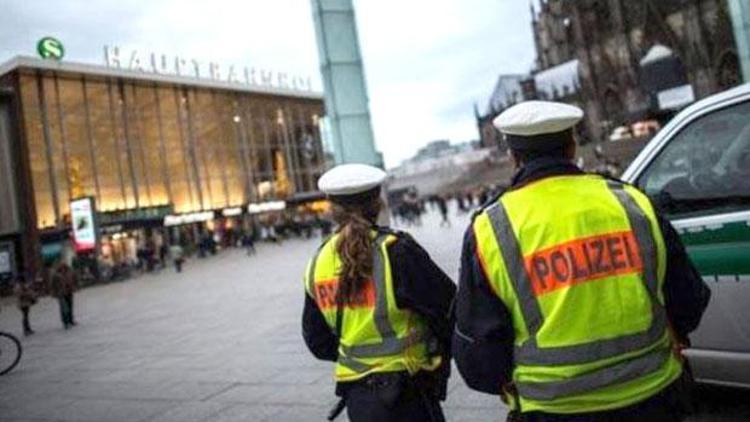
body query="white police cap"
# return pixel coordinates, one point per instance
(533, 118)
(350, 179)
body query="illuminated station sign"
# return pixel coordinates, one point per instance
(159, 63)
(266, 207)
(193, 217)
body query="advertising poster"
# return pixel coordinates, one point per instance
(84, 229)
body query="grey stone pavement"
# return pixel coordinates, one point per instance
(219, 342)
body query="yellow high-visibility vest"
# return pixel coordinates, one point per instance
(579, 261)
(375, 335)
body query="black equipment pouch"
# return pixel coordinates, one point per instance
(432, 384)
(387, 386)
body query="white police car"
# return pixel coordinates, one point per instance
(697, 171)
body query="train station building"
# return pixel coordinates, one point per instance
(140, 150)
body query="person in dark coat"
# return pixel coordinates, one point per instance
(443, 208)
(26, 299)
(248, 242)
(64, 283)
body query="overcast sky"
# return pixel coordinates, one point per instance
(426, 61)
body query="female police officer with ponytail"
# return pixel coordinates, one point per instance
(378, 306)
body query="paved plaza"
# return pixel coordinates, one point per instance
(219, 342)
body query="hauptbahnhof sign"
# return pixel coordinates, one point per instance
(158, 63)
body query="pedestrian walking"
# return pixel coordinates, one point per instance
(443, 208)
(273, 235)
(248, 242)
(325, 225)
(469, 200)
(575, 295)
(178, 256)
(64, 284)
(149, 254)
(307, 224)
(378, 306)
(460, 202)
(484, 195)
(26, 298)
(141, 253)
(163, 252)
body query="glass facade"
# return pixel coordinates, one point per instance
(140, 144)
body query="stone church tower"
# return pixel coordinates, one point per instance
(611, 39)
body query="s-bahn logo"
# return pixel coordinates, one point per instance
(50, 48)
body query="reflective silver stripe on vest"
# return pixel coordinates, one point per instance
(641, 226)
(391, 344)
(382, 322)
(604, 377)
(529, 353)
(514, 264)
(352, 364)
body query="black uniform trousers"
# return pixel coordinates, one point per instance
(390, 397)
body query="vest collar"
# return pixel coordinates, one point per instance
(542, 168)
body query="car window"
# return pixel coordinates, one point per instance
(705, 168)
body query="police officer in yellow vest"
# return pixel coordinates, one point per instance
(378, 306)
(575, 296)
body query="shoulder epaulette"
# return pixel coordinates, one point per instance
(620, 181)
(493, 199)
(324, 242)
(386, 230)
(612, 178)
(399, 234)
(476, 213)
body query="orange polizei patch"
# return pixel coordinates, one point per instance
(583, 260)
(326, 290)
